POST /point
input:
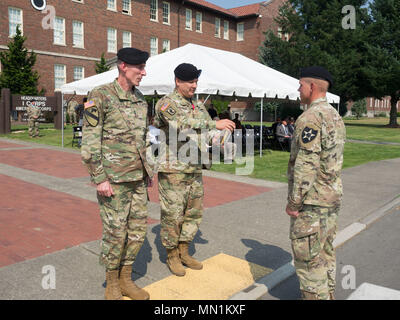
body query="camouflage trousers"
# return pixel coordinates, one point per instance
(33, 127)
(73, 117)
(312, 234)
(181, 200)
(124, 218)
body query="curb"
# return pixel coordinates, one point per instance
(267, 283)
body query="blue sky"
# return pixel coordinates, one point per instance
(227, 4)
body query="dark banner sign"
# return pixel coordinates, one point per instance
(46, 104)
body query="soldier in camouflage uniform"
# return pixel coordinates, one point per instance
(315, 187)
(34, 114)
(114, 151)
(73, 117)
(180, 182)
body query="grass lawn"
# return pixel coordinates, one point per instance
(273, 164)
(47, 135)
(372, 129)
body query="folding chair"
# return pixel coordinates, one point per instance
(77, 136)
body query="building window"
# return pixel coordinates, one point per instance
(79, 73)
(154, 10)
(112, 5)
(199, 21)
(240, 32)
(153, 46)
(166, 10)
(77, 34)
(15, 19)
(218, 27)
(59, 76)
(188, 24)
(59, 31)
(112, 40)
(286, 36)
(126, 39)
(126, 6)
(166, 45)
(226, 30)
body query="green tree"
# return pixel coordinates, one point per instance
(18, 74)
(317, 37)
(102, 66)
(359, 108)
(382, 63)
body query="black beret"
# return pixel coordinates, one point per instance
(317, 72)
(132, 56)
(187, 72)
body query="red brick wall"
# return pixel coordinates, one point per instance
(96, 19)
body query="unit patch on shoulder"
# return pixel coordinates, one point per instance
(171, 111)
(308, 135)
(92, 115)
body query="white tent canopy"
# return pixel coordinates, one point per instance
(225, 73)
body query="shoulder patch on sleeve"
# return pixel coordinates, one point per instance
(89, 104)
(310, 138)
(308, 134)
(165, 106)
(92, 115)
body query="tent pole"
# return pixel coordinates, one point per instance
(261, 123)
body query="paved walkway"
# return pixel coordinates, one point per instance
(49, 217)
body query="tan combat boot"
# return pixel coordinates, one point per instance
(174, 263)
(113, 291)
(186, 259)
(128, 287)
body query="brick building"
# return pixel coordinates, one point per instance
(71, 38)
(376, 107)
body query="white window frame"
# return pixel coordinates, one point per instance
(80, 32)
(81, 72)
(60, 80)
(126, 44)
(153, 49)
(58, 33)
(168, 6)
(217, 31)
(114, 8)
(240, 33)
(188, 19)
(112, 44)
(226, 29)
(154, 11)
(166, 45)
(12, 25)
(199, 22)
(129, 10)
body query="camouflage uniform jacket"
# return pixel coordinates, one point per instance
(114, 135)
(175, 112)
(33, 112)
(316, 157)
(71, 106)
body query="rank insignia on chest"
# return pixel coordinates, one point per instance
(92, 116)
(308, 135)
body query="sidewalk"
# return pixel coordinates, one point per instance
(49, 217)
